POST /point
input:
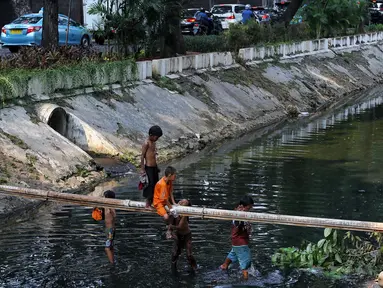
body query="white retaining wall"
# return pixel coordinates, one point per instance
(192, 62)
(308, 47)
(176, 65)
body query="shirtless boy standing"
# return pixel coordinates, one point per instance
(149, 163)
(110, 227)
(183, 240)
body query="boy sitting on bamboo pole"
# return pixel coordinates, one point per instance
(163, 194)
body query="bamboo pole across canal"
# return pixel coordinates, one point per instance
(208, 213)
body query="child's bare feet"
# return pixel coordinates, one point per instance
(225, 265)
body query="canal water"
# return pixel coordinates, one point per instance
(324, 167)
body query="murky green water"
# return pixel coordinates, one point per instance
(328, 167)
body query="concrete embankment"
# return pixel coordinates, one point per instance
(45, 140)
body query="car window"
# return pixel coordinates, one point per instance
(239, 9)
(224, 9)
(63, 21)
(74, 23)
(27, 20)
(189, 13)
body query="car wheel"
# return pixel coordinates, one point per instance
(14, 49)
(85, 41)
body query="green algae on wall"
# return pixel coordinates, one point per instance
(21, 83)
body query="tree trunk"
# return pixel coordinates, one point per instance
(172, 40)
(50, 24)
(291, 11)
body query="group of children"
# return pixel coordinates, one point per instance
(159, 194)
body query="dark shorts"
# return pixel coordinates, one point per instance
(110, 233)
(152, 173)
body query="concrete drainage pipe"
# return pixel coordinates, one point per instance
(55, 116)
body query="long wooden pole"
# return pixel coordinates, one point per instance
(208, 213)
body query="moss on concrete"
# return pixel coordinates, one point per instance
(18, 83)
(15, 140)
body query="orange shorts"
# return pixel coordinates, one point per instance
(160, 209)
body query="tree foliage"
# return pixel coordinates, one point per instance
(334, 17)
(340, 253)
(140, 24)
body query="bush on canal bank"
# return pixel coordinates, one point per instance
(253, 34)
(338, 253)
(63, 75)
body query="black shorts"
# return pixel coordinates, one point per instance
(153, 177)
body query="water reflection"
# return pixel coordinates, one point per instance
(327, 167)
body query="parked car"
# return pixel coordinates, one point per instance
(376, 12)
(27, 31)
(228, 13)
(262, 14)
(188, 20)
(281, 6)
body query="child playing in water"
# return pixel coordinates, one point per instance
(110, 227)
(163, 192)
(149, 163)
(240, 234)
(183, 239)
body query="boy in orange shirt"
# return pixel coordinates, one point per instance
(163, 194)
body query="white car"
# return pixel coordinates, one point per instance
(228, 13)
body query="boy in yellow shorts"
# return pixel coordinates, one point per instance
(163, 194)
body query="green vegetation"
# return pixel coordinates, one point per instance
(129, 157)
(166, 83)
(335, 17)
(82, 172)
(206, 44)
(151, 26)
(14, 82)
(337, 253)
(15, 140)
(32, 159)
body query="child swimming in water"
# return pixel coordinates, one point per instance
(240, 234)
(110, 227)
(183, 239)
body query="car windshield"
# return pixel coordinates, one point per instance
(222, 9)
(189, 13)
(375, 5)
(27, 20)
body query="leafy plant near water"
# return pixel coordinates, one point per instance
(337, 253)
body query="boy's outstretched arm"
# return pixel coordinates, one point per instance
(172, 197)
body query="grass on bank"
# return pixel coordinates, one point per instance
(253, 34)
